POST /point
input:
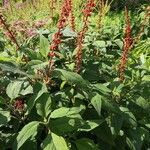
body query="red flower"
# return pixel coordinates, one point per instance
(51, 54)
(89, 7)
(19, 104)
(128, 40)
(65, 11)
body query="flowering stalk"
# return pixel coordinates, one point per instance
(142, 26)
(61, 24)
(104, 7)
(87, 13)
(65, 11)
(72, 18)
(127, 44)
(9, 32)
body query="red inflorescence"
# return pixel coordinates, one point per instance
(19, 104)
(87, 13)
(72, 18)
(127, 45)
(61, 24)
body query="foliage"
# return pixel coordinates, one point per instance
(54, 108)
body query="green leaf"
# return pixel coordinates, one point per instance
(43, 105)
(44, 46)
(26, 89)
(97, 103)
(70, 77)
(4, 117)
(103, 133)
(68, 112)
(17, 88)
(38, 89)
(128, 117)
(86, 144)
(91, 124)
(66, 124)
(2, 100)
(11, 67)
(29, 131)
(59, 142)
(116, 123)
(100, 44)
(40, 66)
(146, 78)
(102, 88)
(33, 63)
(144, 104)
(136, 137)
(110, 105)
(68, 33)
(48, 143)
(119, 43)
(13, 89)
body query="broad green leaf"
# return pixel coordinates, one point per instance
(97, 103)
(29, 144)
(13, 89)
(59, 142)
(33, 63)
(85, 144)
(128, 117)
(147, 125)
(40, 65)
(68, 112)
(44, 46)
(103, 133)
(100, 44)
(109, 105)
(146, 78)
(66, 124)
(71, 77)
(17, 88)
(29, 131)
(116, 123)
(11, 67)
(136, 137)
(102, 88)
(91, 124)
(4, 58)
(38, 89)
(144, 104)
(68, 33)
(43, 105)
(48, 143)
(26, 89)
(4, 117)
(119, 43)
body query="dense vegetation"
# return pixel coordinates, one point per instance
(74, 75)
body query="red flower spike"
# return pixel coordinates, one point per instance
(128, 40)
(87, 12)
(61, 24)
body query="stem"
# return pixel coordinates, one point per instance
(9, 31)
